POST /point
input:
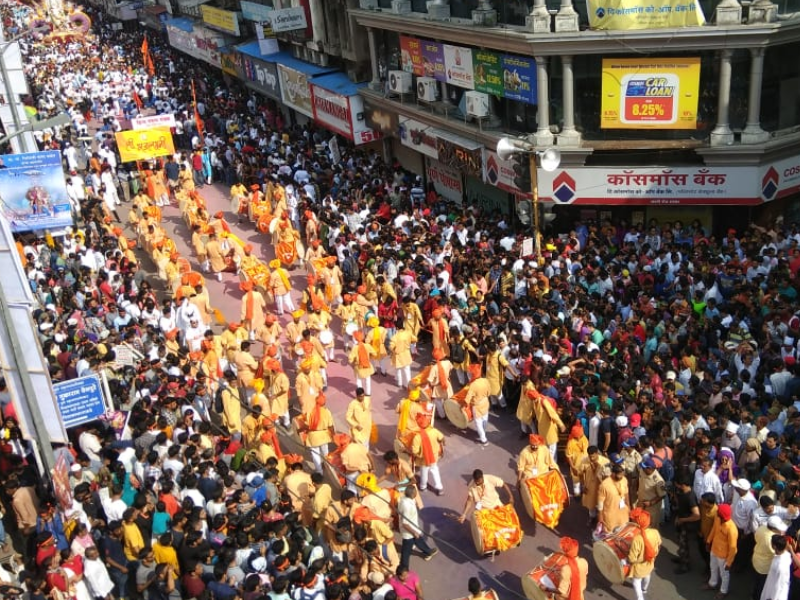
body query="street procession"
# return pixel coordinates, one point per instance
(284, 366)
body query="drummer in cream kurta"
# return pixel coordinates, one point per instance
(613, 501)
(590, 471)
(359, 418)
(482, 493)
(535, 459)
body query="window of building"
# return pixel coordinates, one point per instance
(780, 91)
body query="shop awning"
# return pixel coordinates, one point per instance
(182, 23)
(337, 83)
(284, 59)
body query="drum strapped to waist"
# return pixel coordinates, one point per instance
(610, 552)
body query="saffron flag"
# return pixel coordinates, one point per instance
(137, 100)
(149, 65)
(197, 120)
(547, 496)
(145, 46)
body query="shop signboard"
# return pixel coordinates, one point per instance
(650, 93)
(519, 78)
(295, 90)
(264, 75)
(165, 120)
(224, 20)
(458, 66)
(288, 19)
(488, 71)
(644, 14)
(80, 400)
(780, 178)
(332, 110)
(500, 173)
(411, 55)
(252, 11)
(418, 136)
(459, 153)
(433, 60)
(446, 181)
(654, 186)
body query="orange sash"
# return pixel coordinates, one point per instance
(649, 547)
(442, 330)
(273, 440)
(574, 579)
(363, 356)
(442, 375)
(248, 306)
(427, 448)
(316, 416)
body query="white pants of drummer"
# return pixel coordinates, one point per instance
(318, 453)
(381, 364)
(640, 585)
(553, 449)
(324, 374)
(439, 402)
(351, 478)
(480, 427)
(719, 574)
(433, 471)
(403, 376)
(366, 383)
(284, 302)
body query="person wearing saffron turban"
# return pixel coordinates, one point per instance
(482, 493)
(253, 312)
(356, 459)
(359, 417)
(427, 448)
(439, 379)
(412, 320)
(591, 474)
(279, 387)
(535, 459)
(478, 394)
(320, 431)
(307, 384)
(722, 543)
(643, 551)
(572, 583)
(360, 358)
(280, 286)
(440, 331)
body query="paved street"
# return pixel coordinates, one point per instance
(446, 575)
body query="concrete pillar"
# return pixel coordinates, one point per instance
(569, 136)
(539, 19)
(729, 12)
(753, 134)
(567, 17)
(762, 11)
(318, 22)
(722, 134)
(375, 83)
(543, 136)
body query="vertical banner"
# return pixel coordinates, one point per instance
(519, 78)
(411, 55)
(458, 66)
(433, 60)
(487, 67)
(660, 93)
(33, 193)
(295, 90)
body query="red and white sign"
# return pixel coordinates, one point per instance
(500, 173)
(446, 181)
(651, 186)
(780, 179)
(336, 112)
(165, 120)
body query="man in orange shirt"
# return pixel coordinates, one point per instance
(722, 543)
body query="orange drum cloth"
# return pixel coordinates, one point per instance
(286, 252)
(548, 574)
(548, 496)
(499, 528)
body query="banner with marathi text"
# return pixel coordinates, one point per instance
(650, 93)
(144, 144)
(548, 495)
(644, 14)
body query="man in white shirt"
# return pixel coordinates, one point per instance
(90, 445)
(743, 505)
(410, 529)
(96, 574)
(706, 480)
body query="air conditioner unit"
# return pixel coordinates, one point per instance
(400, 82)
(477, 104)
(426, 89)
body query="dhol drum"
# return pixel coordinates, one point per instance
(496, 530)
(545, 497)
(612, 550)
(326, 337)
(456, 409)
(547, 575)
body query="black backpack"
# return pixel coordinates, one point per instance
(457, 352)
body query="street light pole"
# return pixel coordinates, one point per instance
(550, 159)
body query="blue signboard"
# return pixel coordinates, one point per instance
(33, 193)
(519, 78)
(80, 400)
(253, 11)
